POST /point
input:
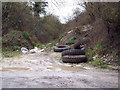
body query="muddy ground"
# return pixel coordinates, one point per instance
(45, 70)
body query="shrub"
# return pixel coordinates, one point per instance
(25, 42)
(73, 38)
(99, 48)
(69, 42)
(80, 38)
(10, 38)
(33, 43)
(89, 54)
(113, 53)
(97, 62)
(3, 40)
(61, 37)
(104, 66)
(26, 34)
(119, 61)
(16, 47)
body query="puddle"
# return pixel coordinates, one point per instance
(13, 68)
(66, 68)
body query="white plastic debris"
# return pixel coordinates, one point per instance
(56, 44)
(24, 50)
(33, 50)
(42, 50)
(70, 31)
(49, 43)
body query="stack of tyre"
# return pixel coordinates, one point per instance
(76, 55)
(60, 48)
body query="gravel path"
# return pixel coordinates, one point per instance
(45, 70)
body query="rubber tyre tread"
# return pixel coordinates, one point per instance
(74, 59)
(73, 52)
(77, 45)
(56, 49)
(80, 42)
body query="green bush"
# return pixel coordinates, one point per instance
(61, 37)
(113, 53)
(10, 38)
(3, 40)
(15, 32)
(26, 34)
(119, 61)
(39, 45)
(89, 54)
(104, 66)
(79, 32)
(99, 47)
(80, 38)
(16, 47)
(33, 43)
(73, 38)
(97, 62)
(25, 42)
(69, 42)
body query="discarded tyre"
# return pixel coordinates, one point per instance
(80, 42)
(61, 48)
(73, 52)
(74, 58)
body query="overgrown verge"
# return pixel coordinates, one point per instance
(21, 28)
(103, 50)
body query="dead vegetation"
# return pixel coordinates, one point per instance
(103, 32)
(22, 20)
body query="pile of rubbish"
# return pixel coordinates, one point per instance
(26, 51)
(76, 55)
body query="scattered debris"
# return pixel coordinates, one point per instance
(70, 31)
(42, 50)
(56, 44)
(49, 43)
(95, 57)
(33, 50)
(24, 50)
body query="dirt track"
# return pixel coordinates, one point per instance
(45, 70)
